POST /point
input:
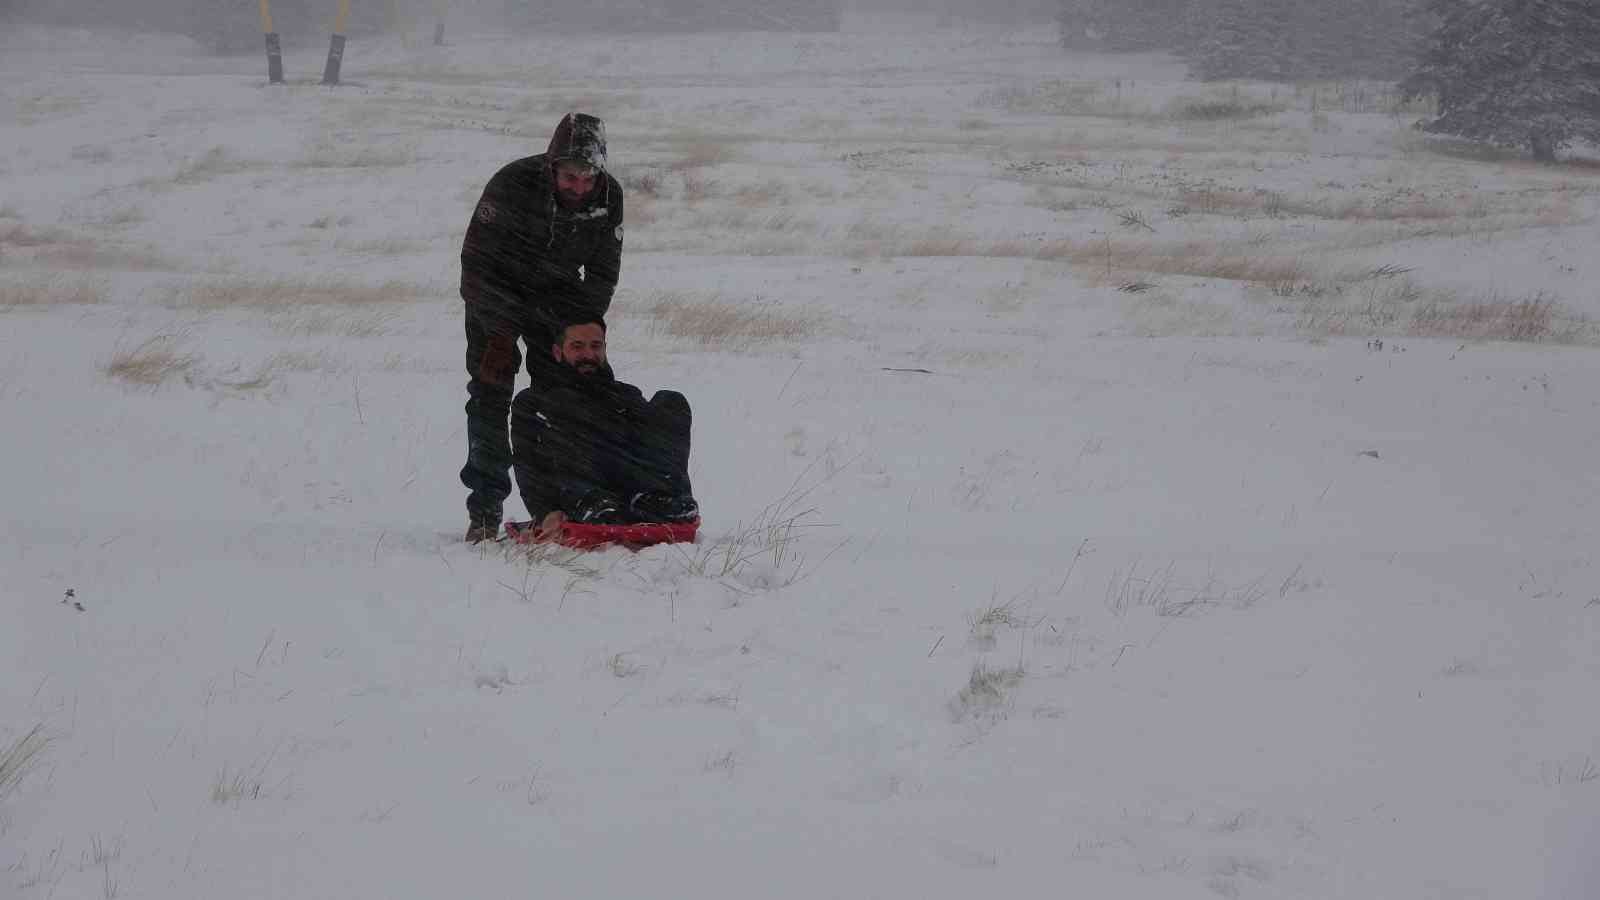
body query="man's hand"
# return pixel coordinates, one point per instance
(500, 360)
(549, 527)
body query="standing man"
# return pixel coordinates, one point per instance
(544, 247)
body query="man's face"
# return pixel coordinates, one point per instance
(583, 347)
(574, 181)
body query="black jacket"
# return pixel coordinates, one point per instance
(528, 261)
(572, 436)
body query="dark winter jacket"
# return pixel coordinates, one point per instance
(565, 435)
(527, 261)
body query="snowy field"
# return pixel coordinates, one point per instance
(1116, 486)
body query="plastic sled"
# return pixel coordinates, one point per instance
(633, 536)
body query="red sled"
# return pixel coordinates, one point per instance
(633, 536)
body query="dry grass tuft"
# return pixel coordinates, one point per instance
(700, 154)
(715, 320)
(1060, 98)
(326, 154)
(1401, 307)
(50, 290)
(214, 163)
(99, 256)
(393, 246)
(20, 757)
(1532, 319)
(288, 294)
(1218, 109)
(20, 235)
(644, 183)
(151, 363)
(986, 692)
(313, 322)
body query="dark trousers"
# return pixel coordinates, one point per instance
(568, 445)
(493, 359)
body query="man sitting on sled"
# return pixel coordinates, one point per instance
(590, 449)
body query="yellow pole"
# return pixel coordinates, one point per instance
(330, 73)
(274, 46)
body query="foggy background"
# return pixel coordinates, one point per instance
(182, 15)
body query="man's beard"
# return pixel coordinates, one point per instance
(589, 369)
(570, 199)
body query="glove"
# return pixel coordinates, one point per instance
(500, 360)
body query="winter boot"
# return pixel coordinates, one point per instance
(660, 507)
(598, 507)
(482, 527)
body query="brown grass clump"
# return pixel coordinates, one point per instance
(329, 155)
(700, 154)
(151, 363)
(280, 294)
(20, 757)
(99, 256)
(214, 163)
(1218, 109)
(1533, 319)
(1402, 307)
(20, 235)
(50, 290)
(715, 320)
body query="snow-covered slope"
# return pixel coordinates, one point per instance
(1104, 498)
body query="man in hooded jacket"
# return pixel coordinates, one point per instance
(544, 247)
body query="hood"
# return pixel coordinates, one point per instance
(581, 137)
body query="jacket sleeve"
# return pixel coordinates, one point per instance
(604, 267)
(491, 264)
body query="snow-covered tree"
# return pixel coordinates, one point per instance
(1292, 40)
(1516, 72)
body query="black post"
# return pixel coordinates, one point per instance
(274, 58)
(438, 35)
(330, 73)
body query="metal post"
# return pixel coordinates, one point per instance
(330, 72)
(438, 29)
(274, 45)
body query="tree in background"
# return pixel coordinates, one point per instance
(1124, 25)
(1275, 40)
(1298, 40)
(1514, 72)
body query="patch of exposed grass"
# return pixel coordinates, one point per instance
(1530, 319)
(214, 163)
(717, 320)
(313, 322)
(21, 235)
(1217, 109)
(327, 154)
(1060, 98)
(19, 758)
(151, 362)
(45, 291)
(282, 294)
(102, 256)
(1382, 307)
(986, 692)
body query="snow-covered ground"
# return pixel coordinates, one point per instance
(1112, 489)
